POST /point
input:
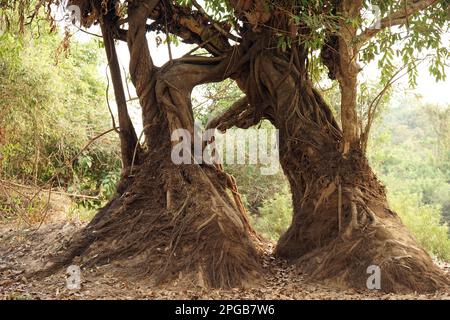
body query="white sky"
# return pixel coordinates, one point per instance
(430, 90)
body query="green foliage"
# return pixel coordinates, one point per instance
(256, 187)
(424, 221)
(211, 100)
(406, 152)
(423, 36)
(17, 205)
(83, 212)
(275, 215)
(49, 111)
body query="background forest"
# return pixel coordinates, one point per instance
(53, 103)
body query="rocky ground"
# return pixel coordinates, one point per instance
(24, 249)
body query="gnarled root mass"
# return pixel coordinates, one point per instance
(344, 231)
(170, 222)
(387, 245)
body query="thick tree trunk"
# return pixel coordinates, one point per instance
(168, 221)
(349, 117)
(342, 223)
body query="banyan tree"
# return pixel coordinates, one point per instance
(168, 219)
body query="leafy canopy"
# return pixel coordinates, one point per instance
(423, 35)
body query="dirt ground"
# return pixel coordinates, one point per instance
(22, 250)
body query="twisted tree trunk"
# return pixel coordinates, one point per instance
(169, 221)
(341, 223)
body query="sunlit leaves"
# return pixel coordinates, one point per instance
(50, 112)
(421, 37)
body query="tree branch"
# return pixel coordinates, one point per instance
(127, 134)
(397, 18)
(215, 24)
(192, 26)
(240, 115)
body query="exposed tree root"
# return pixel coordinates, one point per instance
(170, 221)
(342, 226)
(404, 267)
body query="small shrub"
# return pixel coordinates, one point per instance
(424, 222)
(275, 216)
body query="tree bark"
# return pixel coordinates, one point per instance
(342, 223)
